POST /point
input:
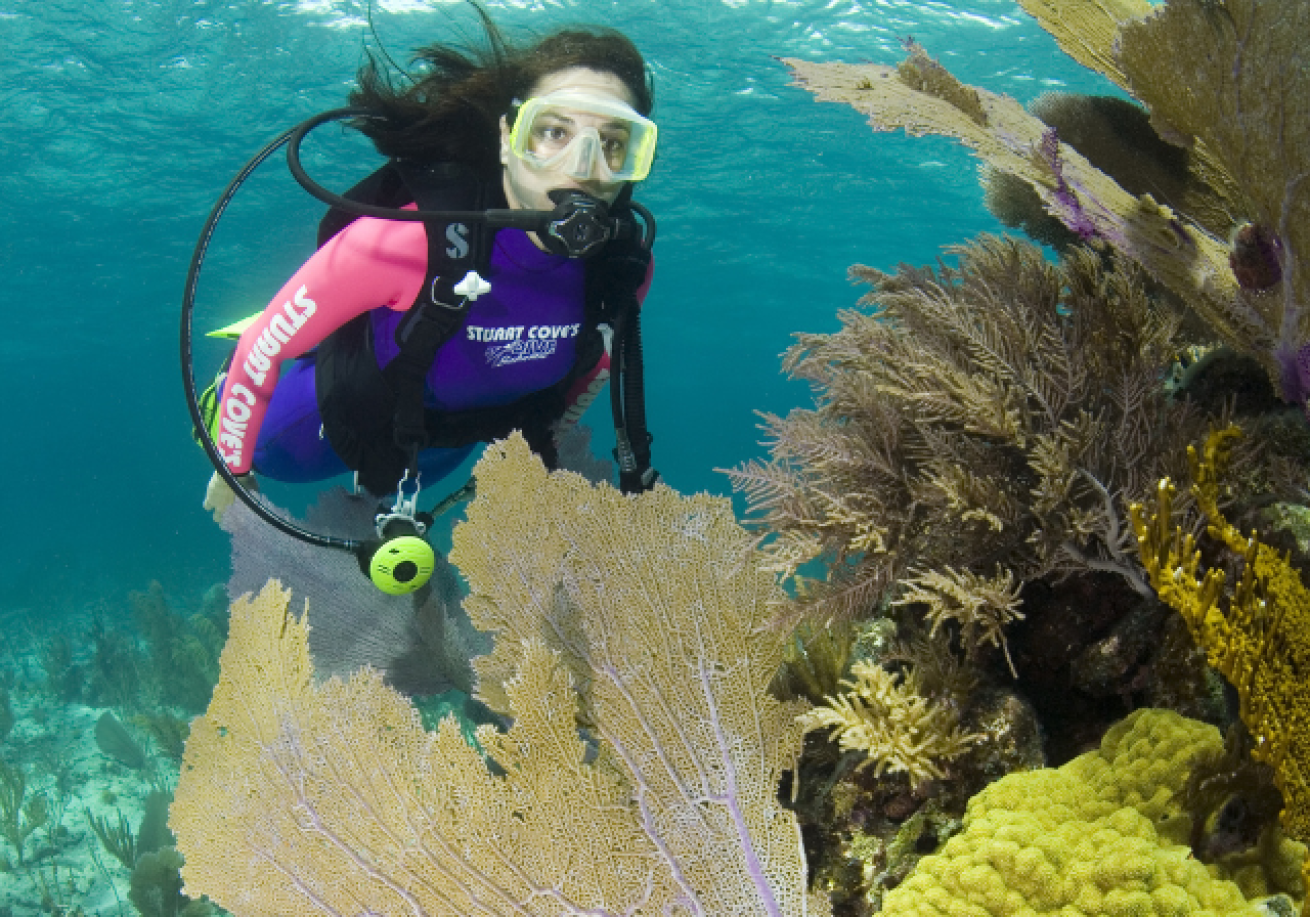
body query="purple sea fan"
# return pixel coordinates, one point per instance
(1295, 375)
(422, 643)
(1066, 208)
(1256, 257)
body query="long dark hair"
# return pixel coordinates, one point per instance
(452, 111)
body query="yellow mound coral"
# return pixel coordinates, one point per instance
(1144, 762)
(1092, 837)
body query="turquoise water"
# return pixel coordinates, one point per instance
(124, 120)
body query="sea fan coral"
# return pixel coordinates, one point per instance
(646, 616)
(1224, 79)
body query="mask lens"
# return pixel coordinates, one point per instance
(584, 136)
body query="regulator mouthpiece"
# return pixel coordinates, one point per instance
(579, 226)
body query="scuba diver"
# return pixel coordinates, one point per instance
(398, 346)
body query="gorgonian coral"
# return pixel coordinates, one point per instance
(644, 616)
(888, 718)
(1224, 81)
(996, 416)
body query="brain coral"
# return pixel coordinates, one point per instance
(1144, 761)
(1084, 839)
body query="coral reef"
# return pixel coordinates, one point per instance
(1256, 634)
(980, 432)
(979, 426)
(643, 618)
(1220, 78)
(886, 717)
(1098, 836)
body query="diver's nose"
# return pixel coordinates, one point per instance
(584, 159)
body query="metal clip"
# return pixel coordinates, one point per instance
(406, 505)
(403, 510)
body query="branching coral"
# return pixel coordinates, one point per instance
(996, 414)
(888, 718)
(1257, 634)
(1224, 78)
(981, 606)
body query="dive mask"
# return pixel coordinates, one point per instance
(584, 136)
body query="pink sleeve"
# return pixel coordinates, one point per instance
(585, 389)
(370, 263)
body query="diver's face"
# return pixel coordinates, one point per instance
(526, 185)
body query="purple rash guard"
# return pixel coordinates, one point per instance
(518, 339)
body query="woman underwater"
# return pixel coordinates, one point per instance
(410, 342)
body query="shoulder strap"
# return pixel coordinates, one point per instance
(454, 249)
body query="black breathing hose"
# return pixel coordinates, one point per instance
(634, 390)
(188, 370)
(527, 220)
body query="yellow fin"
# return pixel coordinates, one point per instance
(233, 331)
